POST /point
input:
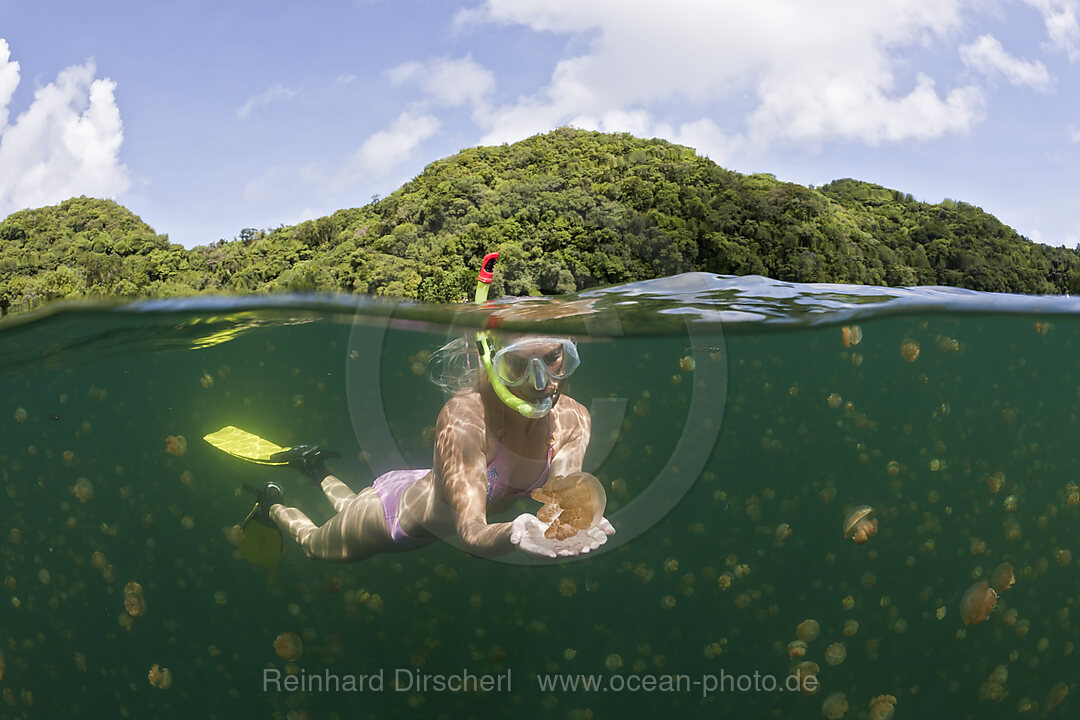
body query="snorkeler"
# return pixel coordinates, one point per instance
(503, 433)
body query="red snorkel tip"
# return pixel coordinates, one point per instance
(487, 268)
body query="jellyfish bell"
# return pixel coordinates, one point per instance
(977, 603)
(572, 503)
(288, 646)
(808, 630)
(835, 706)
(861, 524)
(1003, 577)
(882, 707)
(175, 445)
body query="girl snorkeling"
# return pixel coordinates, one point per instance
(502, 434)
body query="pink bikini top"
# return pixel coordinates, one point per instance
(498, 474)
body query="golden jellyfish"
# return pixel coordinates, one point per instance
(572, 503)
(835, 653)
(882, 707)
(98, 560)
(796, 649)
(977, 603)
(805, 673)
(175, 445)
(1057, 695)
(134, 603)
(69, 458)
(808, 630)
(687, 363)
(909, 350)
(1003, 577)
(20, 415)
(850, 335)
(83, 490)
(160, 677)
(995, 481)
(835, 706)
(1072, 494)
(861, 524)
(851, 627)
(288, 646)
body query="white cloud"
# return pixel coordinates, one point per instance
(66, 143)
(1074, 134)
(987, 56)
(277, 93)
(9, 80)
(385, 150)
(811, 71)
(448, 81)
(1062, 25)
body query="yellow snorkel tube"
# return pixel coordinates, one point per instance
(483, 347)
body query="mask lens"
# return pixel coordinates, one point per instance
(534, 360)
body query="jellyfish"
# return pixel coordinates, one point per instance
(1003, 577)
(1057, 695)
(861, 524)
(909, 350)
(160, 677)
(288, 646)
(83, 490)
(134, 603)
(572, 503)
(805, 673)
(977, 603)
(850, 335)
(835, 653)
(175, 445)
(808, 630)
(20, 415)
(835, 706)
(796, 649)
(882, 707)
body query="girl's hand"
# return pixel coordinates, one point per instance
(527, 533)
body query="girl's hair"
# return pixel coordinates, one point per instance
(455, 366)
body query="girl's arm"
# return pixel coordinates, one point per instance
(461, 478)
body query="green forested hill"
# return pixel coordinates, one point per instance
(567, 210)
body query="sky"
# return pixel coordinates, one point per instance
(205, 118)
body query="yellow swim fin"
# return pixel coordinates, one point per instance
(262, 544)
(246, 446)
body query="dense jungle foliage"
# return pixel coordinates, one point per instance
(567, 210)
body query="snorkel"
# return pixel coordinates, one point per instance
(523, 407)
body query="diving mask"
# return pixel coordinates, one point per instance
(536, 361)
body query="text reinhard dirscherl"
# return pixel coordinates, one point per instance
(404, 680)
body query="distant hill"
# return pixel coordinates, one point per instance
(567, 210)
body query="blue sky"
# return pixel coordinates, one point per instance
(208, 117)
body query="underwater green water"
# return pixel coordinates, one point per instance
(745, 442)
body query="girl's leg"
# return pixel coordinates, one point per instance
(337, 492)
(356, 532)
